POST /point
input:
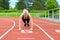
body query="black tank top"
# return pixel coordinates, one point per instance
(26, 17)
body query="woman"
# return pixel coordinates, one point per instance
(26, 18)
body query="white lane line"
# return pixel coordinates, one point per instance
(8, 30)
(26, 38)
(44, 31)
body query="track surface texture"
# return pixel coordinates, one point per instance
(42, 30)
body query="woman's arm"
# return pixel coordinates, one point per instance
(20, 21)
(31, 22)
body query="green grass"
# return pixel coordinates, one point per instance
(13, 14)
(34, 13)
(18, 14)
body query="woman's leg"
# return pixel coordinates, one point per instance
(28, 22)
(24, 21)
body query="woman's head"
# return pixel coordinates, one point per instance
(25, 12)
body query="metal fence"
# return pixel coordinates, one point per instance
(52, 14)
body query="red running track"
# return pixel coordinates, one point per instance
(43, 30)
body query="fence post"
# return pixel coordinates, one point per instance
(59, 13)
(45, 14)
(53, 13)
(48, 14)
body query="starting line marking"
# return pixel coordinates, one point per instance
(26, 38)
(44, 31)
(8, 30)
(26, 31)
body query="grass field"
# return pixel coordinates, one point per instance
(16, 14)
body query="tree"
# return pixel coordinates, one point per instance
(50, 4)
(38, 4)
(20, 5)
(4, 4)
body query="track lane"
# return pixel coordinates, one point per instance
(49, 27)
(16, 34)
(7, 28)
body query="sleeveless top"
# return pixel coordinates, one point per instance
(27, 18)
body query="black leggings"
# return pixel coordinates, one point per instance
(26, 20)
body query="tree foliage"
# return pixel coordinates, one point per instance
(4, 4)
(38, 5)
(50, 4)
(20, 5)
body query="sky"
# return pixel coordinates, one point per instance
(13, 3)
(58, 2)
